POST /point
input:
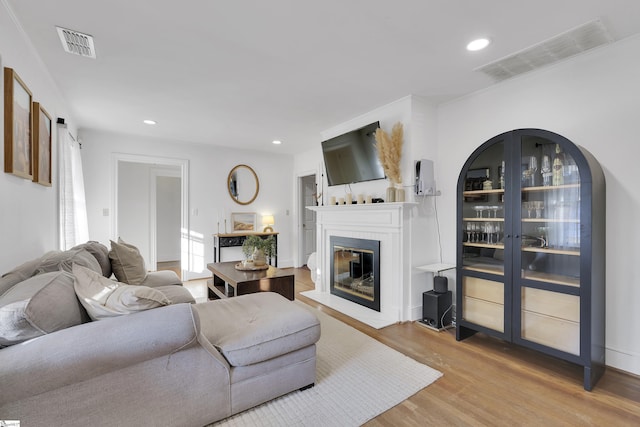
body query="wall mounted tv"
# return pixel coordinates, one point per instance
(352, 157)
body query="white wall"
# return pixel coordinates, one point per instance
(210, 202)
(418, 118)
(593, 100)
(29, 211)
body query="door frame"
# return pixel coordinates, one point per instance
(183, 165)
(300, 261)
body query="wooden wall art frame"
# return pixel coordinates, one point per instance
(243, 222)
(41, 145)
(18, 111)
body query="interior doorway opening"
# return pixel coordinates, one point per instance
(150, 206)
(307, 196)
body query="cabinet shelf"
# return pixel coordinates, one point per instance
(572, 252)
(482, 192)
(551, 278)
(476, 219)
(550, 187)
(483, 245)
(552, 220)
(485, 268)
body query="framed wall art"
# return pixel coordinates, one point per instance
(18, 111)
(243, 221)
(41, 145)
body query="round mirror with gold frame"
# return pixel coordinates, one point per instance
(243, 184)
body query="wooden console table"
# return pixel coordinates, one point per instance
(228, 240)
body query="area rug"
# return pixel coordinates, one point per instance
(358, 378)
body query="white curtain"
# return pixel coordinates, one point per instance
(74, 228)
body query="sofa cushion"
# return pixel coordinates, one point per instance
(18, 274)
(161, 278)
(256, 327)
(64, 260)
(101, 253)
(127, 263)
(39, 305)
(176, 294)
(103, 297)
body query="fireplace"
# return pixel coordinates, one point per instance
(405, 242)
(355, 270)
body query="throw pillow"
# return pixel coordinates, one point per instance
(37, 306)
(103, 297)
(101, 253)
(18, 274)
(127, 263)
(63, 261)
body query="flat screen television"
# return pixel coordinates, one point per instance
(352, 157)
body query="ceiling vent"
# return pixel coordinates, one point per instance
(77, 43)
(577, 40)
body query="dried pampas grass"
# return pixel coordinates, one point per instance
(390, 152)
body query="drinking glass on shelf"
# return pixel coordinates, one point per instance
(479, 210)
(495, 210)
(490, 230)
(533, 168)
(538, 206)
(469, 229)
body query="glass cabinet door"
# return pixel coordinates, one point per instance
(549, 252)
(483, 213)
(483, 233)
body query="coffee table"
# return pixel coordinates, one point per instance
(228, 281)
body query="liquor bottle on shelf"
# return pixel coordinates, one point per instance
(545, 169)
(558, 167)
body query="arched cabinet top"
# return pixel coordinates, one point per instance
(588, 167)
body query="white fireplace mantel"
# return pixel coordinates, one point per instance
(401, 230)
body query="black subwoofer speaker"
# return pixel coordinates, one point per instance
(434, 306)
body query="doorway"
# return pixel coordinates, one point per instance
(164, 218)
(307, 218)
(150, 205)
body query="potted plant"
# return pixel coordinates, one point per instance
(259, 249)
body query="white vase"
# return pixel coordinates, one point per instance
(391, 194)
(259, 259)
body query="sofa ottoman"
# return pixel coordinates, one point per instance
(268, 341)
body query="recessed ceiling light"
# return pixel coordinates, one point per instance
(478, 44)
(149, 122)
(275, 141)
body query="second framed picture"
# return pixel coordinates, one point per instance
(243, 221)
(41, 145)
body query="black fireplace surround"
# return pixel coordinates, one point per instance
(355, 270)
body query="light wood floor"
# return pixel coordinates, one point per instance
(488, 382)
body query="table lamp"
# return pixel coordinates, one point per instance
(268, 221)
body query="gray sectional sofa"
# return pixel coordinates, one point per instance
(176, 364)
